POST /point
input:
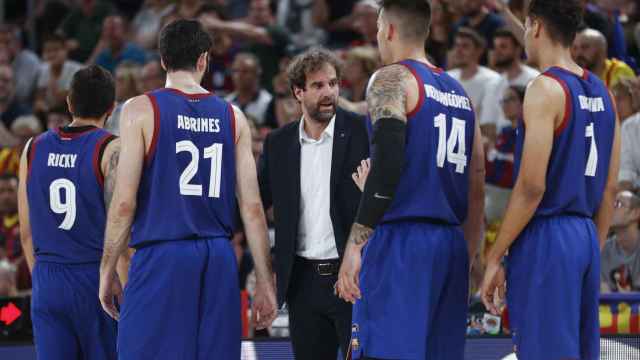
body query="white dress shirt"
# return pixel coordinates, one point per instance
(630, 150)
(316, 240)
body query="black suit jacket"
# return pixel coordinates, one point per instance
(279, 178)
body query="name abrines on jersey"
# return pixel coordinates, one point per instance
(62, 160)
(198, 124)
(447, 99)
(591, 104)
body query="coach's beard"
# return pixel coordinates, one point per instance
(324, 110)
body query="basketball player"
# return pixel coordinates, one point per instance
(423, 196)
(186, 157)
(66, 182)
(567, 152)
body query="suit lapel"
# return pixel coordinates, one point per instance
(293, 157)
(341, 136)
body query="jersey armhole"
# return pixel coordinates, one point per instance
(567, 104)
(156, 129)
(98, 152)
(232, 117)
(31, 151)
(420, 84)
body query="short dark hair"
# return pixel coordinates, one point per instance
(562, 18)
(474, 36)
(310, 61)
(519, 90)
(181, 43)
(54, 38)
(506, 33)
(416, 16)
(92, 93)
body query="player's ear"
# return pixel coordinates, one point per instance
(201, 65)
(110, 111)
(391, 31)
(164, 67)
(69, 106)
(537, 28)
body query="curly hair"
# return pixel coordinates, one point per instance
(308, 62)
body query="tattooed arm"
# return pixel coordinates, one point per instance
(393, 91)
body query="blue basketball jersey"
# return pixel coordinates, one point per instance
(187, 190)
(65, 194)
(579, 163)
(435, 181)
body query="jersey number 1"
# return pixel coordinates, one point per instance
(213, 152)
(592, 160)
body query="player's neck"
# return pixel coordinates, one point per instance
(410, 52)
(79, 122)
(560, 57)
(185, 81)
(627, 238)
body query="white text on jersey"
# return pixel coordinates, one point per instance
(591, 104)
(448, 99)
(62, 160)
(198, 124)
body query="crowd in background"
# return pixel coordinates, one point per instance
(43, 43)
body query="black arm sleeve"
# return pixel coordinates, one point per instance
(387, 163)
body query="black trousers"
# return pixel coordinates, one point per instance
(319, 321)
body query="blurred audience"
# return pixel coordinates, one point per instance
(83, 27)
(10, 107)
(365, 21)
(439, 37)
(7, 279)
(127, 86)
(146, 25)
(249, 95)
(58, 117)
(114, 47)
(477, 16)
(9, 231)
(152, 76)
(25, 63)
(360, 63)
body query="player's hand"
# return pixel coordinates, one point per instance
(110, 294)
(360, 176)
(265, 308)
(347, 287)
(494, 279)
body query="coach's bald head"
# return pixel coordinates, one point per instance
(589, 49)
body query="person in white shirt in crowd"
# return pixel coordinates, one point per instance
(248, 95)
(477, 80)
(507, 57)
(54, 79)
(25, 63)
(620, 258)
(627, 95)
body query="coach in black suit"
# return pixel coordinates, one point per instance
(305, 173)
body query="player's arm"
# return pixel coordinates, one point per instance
(605, 212)
(23, 209)
(475, 213)
(387, 104)
(135, 113)
(543, 106)
(255, 224)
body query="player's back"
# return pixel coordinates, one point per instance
(579, 162)
(187, 190)
(65, 194)
(440, 130)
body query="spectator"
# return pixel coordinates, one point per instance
(476, 80)
(152, 76)
(441, 24)
(267, 40)
(115, 48)
(145, 27)
(477, 17)
(58, 117)
(10, 107)
(507, 54)
(284, 108)
(221, 55)
(48, 17)
(248, 95)
(620, 260)
(184, 9)
(55, 76)
(83, 26)
(297, 17)
(9, 232)
(500, 156)
(361, 63)
(7, 279)
(127, 86)
(365, 21)
(334, 16)
(590, 51)
(629, 175)
(627, 99)
(25, 63)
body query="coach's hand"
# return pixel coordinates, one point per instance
(494, 279)
(265, 308)
(347, 287)
(360, 176)
(110, 294)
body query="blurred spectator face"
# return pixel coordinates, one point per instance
(470, 7)
(9, 42)
(54, 52)
(25, 127)
(320, 96)
(260, 12)
(152, 76)
(466, 51)
(8, 196)
(7, 278)
(586, 52)
(624, 213)
(505, 51)
(114, 31)
(511, 105)
(127, 82)
(365, 21)
(56, 120)
(6, 84)
(245, 74)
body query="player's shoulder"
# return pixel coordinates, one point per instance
(139, 103)
(545, 85)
